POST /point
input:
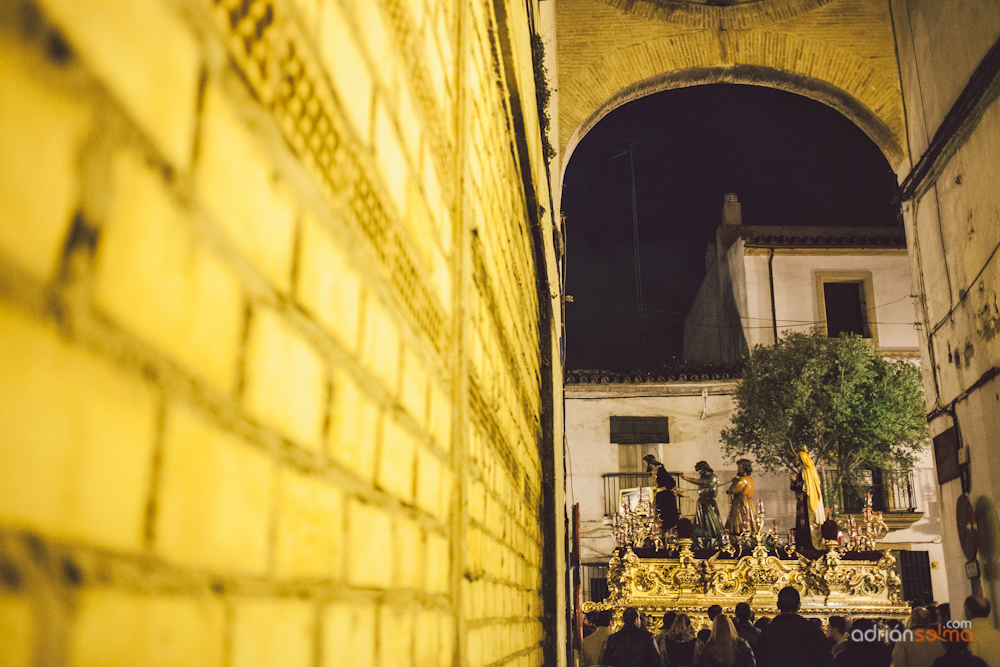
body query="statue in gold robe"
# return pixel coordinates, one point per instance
(742, 515)
(810, 513)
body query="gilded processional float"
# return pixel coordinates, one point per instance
(656, 571)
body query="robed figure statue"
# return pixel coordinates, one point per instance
(664, 497)
(707, 521)
(742, 515)
(809, 511)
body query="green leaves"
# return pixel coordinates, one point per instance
(853, 409)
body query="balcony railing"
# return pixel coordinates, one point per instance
(594, 580)
(892, 491)
(614, 482)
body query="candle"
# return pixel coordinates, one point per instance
(840, 537)
(791, 536)
(760, 505)
(868, 499)
(775, 529)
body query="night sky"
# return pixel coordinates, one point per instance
(790, 160)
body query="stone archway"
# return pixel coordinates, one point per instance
(816, 89)
(838, 52)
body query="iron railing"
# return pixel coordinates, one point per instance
(892, 491)
(594, 581)
(614, 482)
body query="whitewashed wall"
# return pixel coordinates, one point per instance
(796, 302)
(694, 437)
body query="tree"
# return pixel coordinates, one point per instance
(853, 409)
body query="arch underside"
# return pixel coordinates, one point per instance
(869, 97)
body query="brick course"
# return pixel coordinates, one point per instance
(236, 287)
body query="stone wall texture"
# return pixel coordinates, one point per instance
(276, 335)
(840, 52)
(950, 67)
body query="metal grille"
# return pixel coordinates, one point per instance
(614, 482)
(594, 580)
(892, 491)
(915, 572)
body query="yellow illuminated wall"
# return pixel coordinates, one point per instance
(276, 336)
(839, 52)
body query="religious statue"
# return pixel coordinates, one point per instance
(706, 572)
(664, 498)
(742, 515)
(809, 511)
(707, 521)
(802, 531)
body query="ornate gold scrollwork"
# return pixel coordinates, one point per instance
(828, 585)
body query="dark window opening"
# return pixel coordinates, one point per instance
(915, 573)
(595, 582)
(845, 309)
(639, 430)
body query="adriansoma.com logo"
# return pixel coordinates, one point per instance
(949, 632)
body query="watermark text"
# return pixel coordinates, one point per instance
(949, 632)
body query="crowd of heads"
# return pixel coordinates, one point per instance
(721, 639)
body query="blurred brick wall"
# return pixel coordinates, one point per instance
(275, 379)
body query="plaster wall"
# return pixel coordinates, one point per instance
(591, 454)
(796, 298)
(953, 227)
(940, 45)
(693, 439)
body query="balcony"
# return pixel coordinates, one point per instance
(893, 494)
(614, 482)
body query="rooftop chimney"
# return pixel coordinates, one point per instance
(731, 213)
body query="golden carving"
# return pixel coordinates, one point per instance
(828, 585)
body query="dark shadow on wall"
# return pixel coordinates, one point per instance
(988, 522)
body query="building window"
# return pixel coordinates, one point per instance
(915, 573)
(846, 303)
(595, 582)
(630, 457)
(640, 430)
(636, 437)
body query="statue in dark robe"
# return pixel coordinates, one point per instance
(664, 499)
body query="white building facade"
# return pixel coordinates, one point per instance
(760, 283)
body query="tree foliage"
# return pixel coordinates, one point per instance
(853, 409)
